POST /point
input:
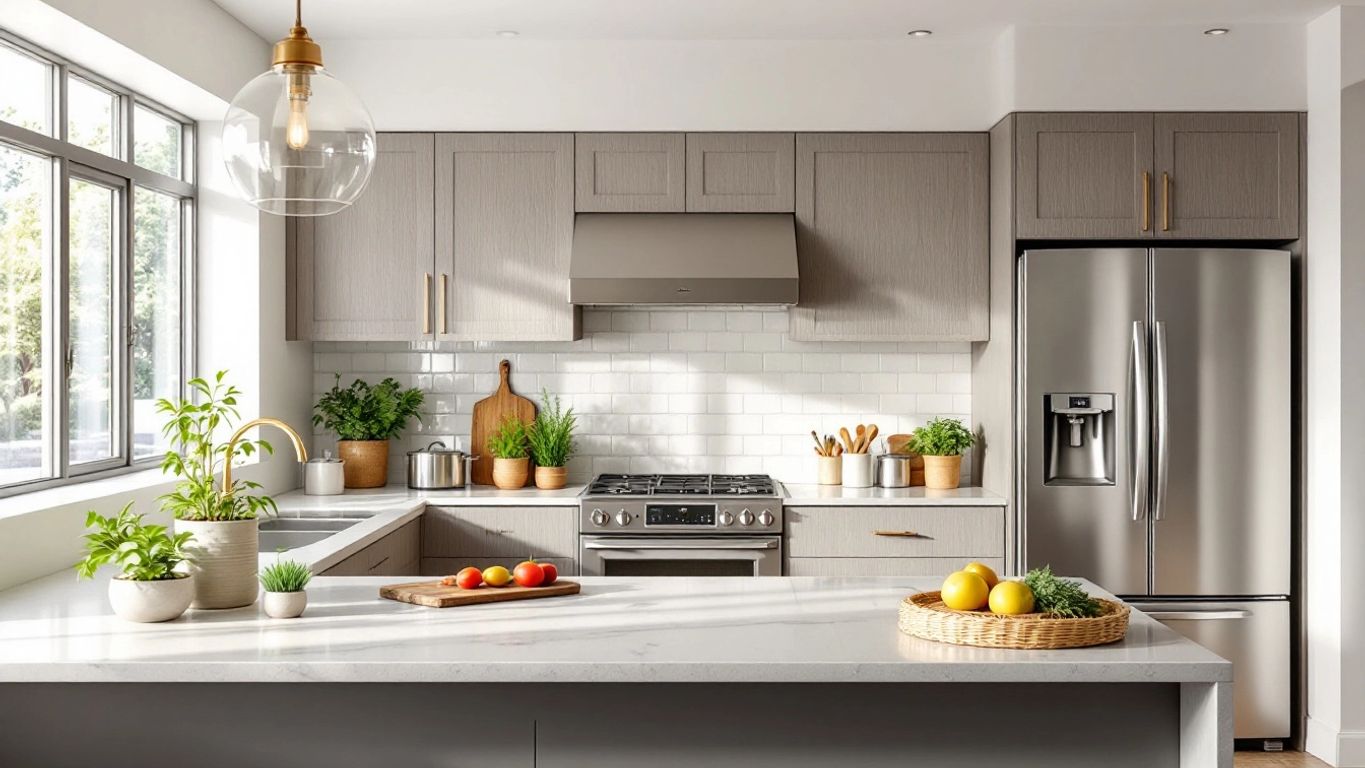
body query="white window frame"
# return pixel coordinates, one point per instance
(70, 160)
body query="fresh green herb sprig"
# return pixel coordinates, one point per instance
(145, 552)
(551, 435)
(285, 576)
(1059, 597)
(942, 437)
(510, 441)
(364, 412)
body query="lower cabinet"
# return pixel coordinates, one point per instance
(397, 554)
(455, 537)
(892, 541)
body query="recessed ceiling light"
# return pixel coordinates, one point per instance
(920, 32)
(1216, 31)
(508, 33)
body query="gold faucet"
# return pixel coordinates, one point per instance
(299, 450)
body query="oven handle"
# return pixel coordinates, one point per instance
(676, 544)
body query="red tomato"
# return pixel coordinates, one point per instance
(469, 578)
(529, 574)
(551, 574)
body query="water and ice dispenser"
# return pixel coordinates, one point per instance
(1078, 438)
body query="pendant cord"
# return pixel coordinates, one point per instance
(298, 13)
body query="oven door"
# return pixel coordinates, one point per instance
(680, 556)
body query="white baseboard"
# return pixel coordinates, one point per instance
(1340, 749)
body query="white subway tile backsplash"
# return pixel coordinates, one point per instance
(674, 390)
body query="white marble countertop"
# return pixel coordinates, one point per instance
(618, 630)
(803, 495)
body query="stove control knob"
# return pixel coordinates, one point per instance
(599, 518)
(622, 518)
(765, 518)
(726, 518)
(746, 517)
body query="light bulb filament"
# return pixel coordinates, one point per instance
(296, 126)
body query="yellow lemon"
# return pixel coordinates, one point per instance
(496, 576)
(985, 572)
(1011, 598)
(964, 591)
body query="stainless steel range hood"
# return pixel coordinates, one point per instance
(683, 258)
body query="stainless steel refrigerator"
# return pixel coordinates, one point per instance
(1155, 445)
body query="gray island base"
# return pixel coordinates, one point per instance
(790, 672)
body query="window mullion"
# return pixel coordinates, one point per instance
(61, 325)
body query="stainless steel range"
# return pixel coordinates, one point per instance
(680, 525)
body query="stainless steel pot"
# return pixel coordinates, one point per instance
(893, 470)
(437, 468)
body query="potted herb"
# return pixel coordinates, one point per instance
(222, 520)
(283, 583)
(364, 419)
(510, 450)
(149, 588)
(941, 443)
(551, 442)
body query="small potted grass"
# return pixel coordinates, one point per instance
(511, 453)
(551, 441)
(284, 584)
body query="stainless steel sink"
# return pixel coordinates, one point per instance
(292, 532)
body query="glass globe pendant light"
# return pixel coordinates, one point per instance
(296, 141)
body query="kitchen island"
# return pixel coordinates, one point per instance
(669, 672)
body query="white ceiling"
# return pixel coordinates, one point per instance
(739, 19)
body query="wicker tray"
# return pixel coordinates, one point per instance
(924, 615)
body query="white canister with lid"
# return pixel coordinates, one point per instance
(324, 477)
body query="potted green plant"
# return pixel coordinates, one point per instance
(284, 584)
(941, 443)
(223, 520)
(511, 454)
(551, 442)
(149, 588)
(364, 419)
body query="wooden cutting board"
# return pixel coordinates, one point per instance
(433, 595)
(489, 414)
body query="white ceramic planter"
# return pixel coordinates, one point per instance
(285, 605)
(225, 555)
(149, 601)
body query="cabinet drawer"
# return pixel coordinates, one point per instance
(395, 554)
(937, 531)
(500, 532)
(883, 566)
(448, 566)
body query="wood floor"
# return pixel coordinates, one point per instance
(1276, 760)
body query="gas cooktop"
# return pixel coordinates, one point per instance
(681, 485)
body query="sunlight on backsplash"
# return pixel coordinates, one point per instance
(673, 390)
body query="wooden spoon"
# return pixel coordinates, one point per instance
(847, 438)
(819, 444)
(871, 435)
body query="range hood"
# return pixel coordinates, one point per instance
(683, 258)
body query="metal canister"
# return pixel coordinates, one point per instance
(893, 470)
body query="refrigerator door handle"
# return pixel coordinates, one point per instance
(1199, 615)
(1161, 431)
(1139, 430)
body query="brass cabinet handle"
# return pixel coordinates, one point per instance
(899, 534)
(445, 280)
(1165, 201)
(426, 303)
(1146, 201)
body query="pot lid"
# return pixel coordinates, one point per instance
(433, 448)
(326, 459)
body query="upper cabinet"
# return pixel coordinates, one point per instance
(631, 172)
(741, 172)
(1171, 175)
(362, 274)
(892, 235)
(504, 232)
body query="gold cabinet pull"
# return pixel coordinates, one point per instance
(1165, 201)
(426, 303)
(1146, 201)
(445, 281)
(899, 534)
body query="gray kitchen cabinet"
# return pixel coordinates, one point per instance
(504, 232)
(396, 554)
(892, 540)
(741, 172)
(360, 275)
(1228, 175)
(892, 237)
(499, 535)
(630, 173)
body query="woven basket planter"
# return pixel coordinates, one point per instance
(924, 615)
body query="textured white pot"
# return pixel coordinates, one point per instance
(285, 605)
(148, 601)
(225, 561)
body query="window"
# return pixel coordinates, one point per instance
(95, 254)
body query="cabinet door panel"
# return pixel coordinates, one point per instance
(1231, 175)
(630, 173)
(500, 532)
(1080, 175)
(892, 236)
(871, 531)
(504, 231)
(741, 172)
(361, 272)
